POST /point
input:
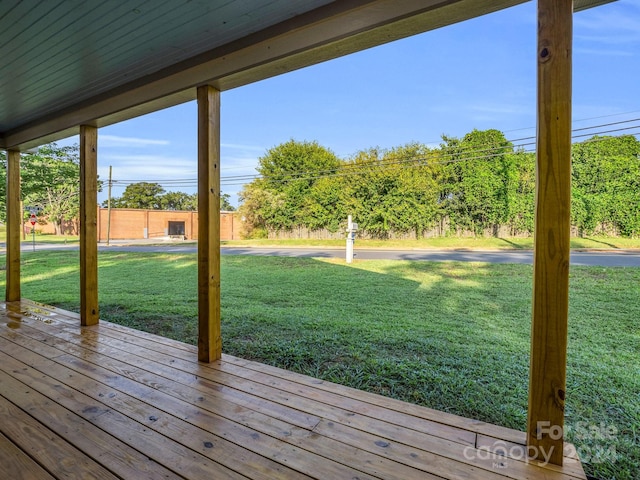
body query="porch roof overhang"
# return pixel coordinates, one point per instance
(96, 63)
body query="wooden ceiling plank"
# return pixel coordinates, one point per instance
(333, 30)
(61, 46)
(24, 48)
(65, 60)
(198, 43)
(14, 21)
(120, 62)
(317, 30)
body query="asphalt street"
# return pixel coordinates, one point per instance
(587, 258)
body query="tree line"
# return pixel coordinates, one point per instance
(479, 184)
(152, 196)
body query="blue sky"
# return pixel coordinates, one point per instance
(477, 74)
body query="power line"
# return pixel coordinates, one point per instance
(351, 168)
(523, 145)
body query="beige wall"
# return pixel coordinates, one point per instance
(131, 224)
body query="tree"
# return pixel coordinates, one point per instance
(394, 191)
(151, 196)
(256, 203)
(289, 171)
(178, 201)
(51, 181)
(478, 181)
(225, 203)
(521, 193)
(606, 185)
(324, 206)
(142, 195)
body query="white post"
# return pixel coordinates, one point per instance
(350, 239)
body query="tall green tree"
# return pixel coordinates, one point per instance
(479, 178)
(152, 196)
(289, 171)
(144, 195)
(394, 191)
(521, 191)
(50, 180)
(606, 185)
(178, 201)
(225, 203)
(477, 183)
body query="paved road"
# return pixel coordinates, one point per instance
(592, 258)
(627, 259)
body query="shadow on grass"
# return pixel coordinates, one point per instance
(514, 245)
(593, 240)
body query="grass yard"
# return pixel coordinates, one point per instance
(451, 336)
(480, 243)
(477, 243)
(40, 237)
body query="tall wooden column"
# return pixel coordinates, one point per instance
(209, 331)
(14, 225)
(89, 314)
(547, 377)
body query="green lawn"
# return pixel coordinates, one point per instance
(486, 243)
(41, 238)
(480, 243)
(451, 336)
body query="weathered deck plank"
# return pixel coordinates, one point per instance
(18, 465)
(50, 450)
(134, 405)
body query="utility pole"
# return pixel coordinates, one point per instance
(109, 205)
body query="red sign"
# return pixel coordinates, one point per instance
(33, 219)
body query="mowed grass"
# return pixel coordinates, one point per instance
(40, 237)
(450, 242)
(450, 336)
(463, 243)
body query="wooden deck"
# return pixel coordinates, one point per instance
(110, 402)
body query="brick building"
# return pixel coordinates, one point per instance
(132, 224)
(129, 223)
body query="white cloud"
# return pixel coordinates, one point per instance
(147, 167)
(616, 24)
(177, 173)
(147, 159)
(117, 141)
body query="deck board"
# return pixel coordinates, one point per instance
(124, 403)
(16, 464)
(52, 451)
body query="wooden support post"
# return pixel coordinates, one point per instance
(547, 378)
(88, 225)
(209, 332)
(14, 225)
